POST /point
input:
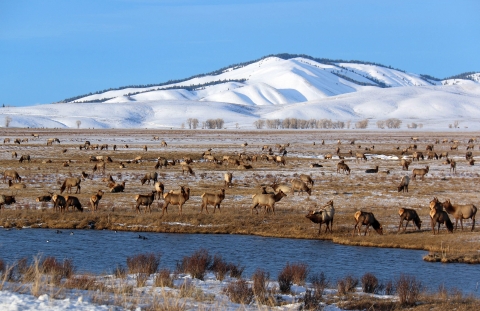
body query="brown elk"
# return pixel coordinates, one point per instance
(159, 188)
(323, 216)
(212, 198)
(69, 183)
(73, 202)
(300, 186)
(468, 155)
(176, 199)
(281, 187)
(85, 175)
(163, 143)
(95, 199)
(328, 156)
(161, 162)
(360, 156)
(99, 167)
(453, 166)
(188, 169)
(149, 176)
(470, 146)
(367, 219)
(6, 140)
(454, 147)
(267, 201)
(417, 155)
(461, 212)
(306, 179)
(280, 160)
(145, 148)
(440, 217)
(228, 177)
(429, 147)
(16, 185)
(404, 184)
(341, 166)
(45, 198)
(315, 165)
(420, 172)
(6, 200)
(372, 170)
(117, 187)
(408, 214)
(12, 174)
(24, 158)
(14, 154)
(443, 155)
(146, 200)
(405, 163)
(58, 202)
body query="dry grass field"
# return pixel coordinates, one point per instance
(358, 191)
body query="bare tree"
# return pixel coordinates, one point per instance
(194, 123)
(381, 124)
(8, 120)
(78, 122)
(259, 124)
(363, 124)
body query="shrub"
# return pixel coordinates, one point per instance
(361, 124)
(143, 263)
(408, 289)
(347, 285)
(319, 283)
(260, 285)
(389, 288)
(310, 301)
(64, 269)
(83, 282)
(120, 272)
(163, 278)
(197, 264)
(236, 271)
(369, 283)
(292, 273)
(2, 266)
(239, 292)
(219, 267)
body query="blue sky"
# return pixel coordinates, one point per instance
(51, 50)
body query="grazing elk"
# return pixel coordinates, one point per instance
(115, 188)
(341, 166)
(323, 216)
(281, 187)
(176, 199)
(280, 160)
(440, 217)
(17, 186)
(163, 143)
(99, 167)
(443, 155)
(69, 183)
(468, 155)
(212, 198)
(45, 198)
(188, 169)
(161, 162)
(267, 201)
(6, 200)
(146, 200)
(95, 199)
(149, 176)
(6, 140)
(453, 166)
(404, 184)
(58, 202)
(420, 172)
(159, 189)
(24, 158)
(14, 154)
(408, 214)
(300, 186)
(12, 174)
(405, 163)
(461, 212)
(228, 177)
(367, 219)
(360, 156)
(307, 179)
(432, 155)
(417, 155)
(372, 170)
(73, 202)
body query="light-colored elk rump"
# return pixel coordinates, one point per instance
(300, 186)
(408, 214)
(283, 187)
(58, 202)
(11, 174)
(280, 160)
(99, 167)
(432, 155)
(74, 202)
(14, 154)
(323, 216)
(440, 217)
(95, 199)
(360, 156)
(461, 212)
(266, 200)
(372, 170)
(149, 176)
(228, 177)
(117, 187)
(307, 179)
(6, 200)
(176, 199)
(145, 200)
(161, 162)
(417, 155)
(212, 198)
(69, 183)
(159, 188)
(420, 172)
(405, 163)
(404, 184)
(188, 169)
(45, 198)
(368, 219)
(25, 157)
(342, 167)
(17, 186)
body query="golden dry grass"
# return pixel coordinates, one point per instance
(370, 192)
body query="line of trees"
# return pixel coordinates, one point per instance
(294, 123)
(392, 123)
(193, 123)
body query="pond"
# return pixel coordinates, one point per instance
(101, 251)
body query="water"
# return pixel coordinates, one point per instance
(101, 251)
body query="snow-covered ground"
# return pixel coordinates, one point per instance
(272, 88)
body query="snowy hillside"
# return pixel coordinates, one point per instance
(272, 88)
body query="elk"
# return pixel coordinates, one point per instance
(176, 199)
(212, 198)
(6, 140)
(45, 198)
(280, 160)
(267, 201)
(188, 169)
(468, 155)
(163, 143)
(6, 200)
(315, 165)
(408, 214)
(454, 147)
(12, 174)
(300, 186)
(85, 175)
(420, 172)
(161, 162)
(145, 148)
(323, 216)
(417, 155)
(461, 212)
(281, 187)
(404, 184)
(95, 199)
(306, 179)
(99, 167)
(372, 170)
(341, 166)
(159, 188)
(14, 154)
(360, 156)
(440, 217)
(367, 219)
(16, 185)
(405, 163)
(58, 202)
(149, 176)
(117, 187)
(146, 200)
(443, 155)
(228, 177)
(328, 156)
(69, 183)
(73, 202)
(453, 166)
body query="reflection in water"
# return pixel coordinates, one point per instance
(101, 251)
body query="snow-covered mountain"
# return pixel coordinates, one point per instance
(272, 88)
